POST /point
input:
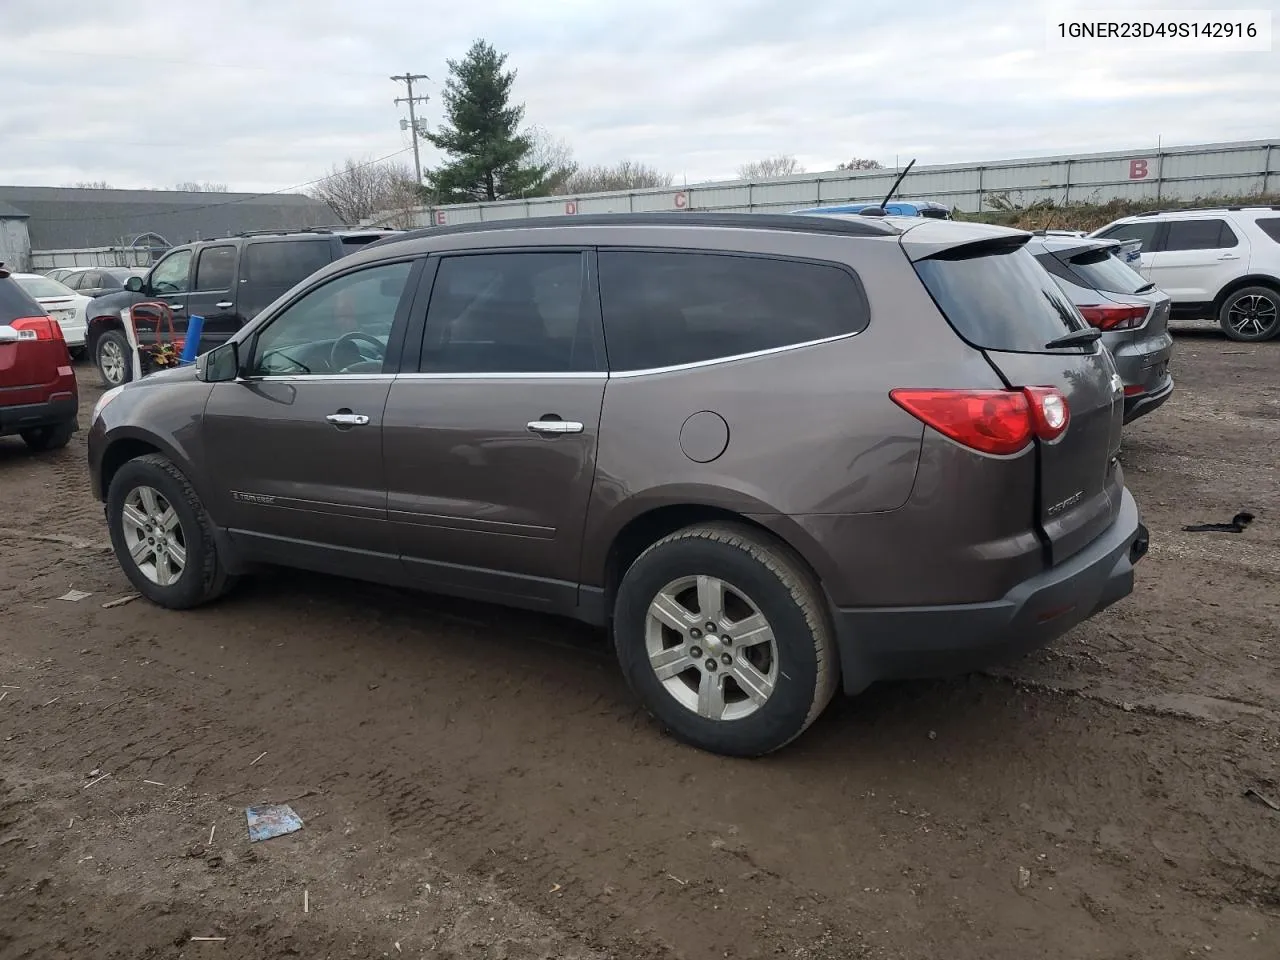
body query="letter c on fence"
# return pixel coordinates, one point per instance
(682, 201)
(1138, 169)
(571, 206)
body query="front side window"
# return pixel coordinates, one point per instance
(666, 309)
(499, 313)
(170, 274)
(1143, 230)
(340, 328)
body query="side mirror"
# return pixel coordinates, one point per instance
(219, 365)
(133, 284)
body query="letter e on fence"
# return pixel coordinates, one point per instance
(440, 221)
(1138, 169)
(682, 201)
(571, 206)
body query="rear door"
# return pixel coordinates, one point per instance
(1197, 258)
(215, 278)
(1002, 301)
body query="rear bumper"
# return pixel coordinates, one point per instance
(59, 409)
(908, 642)
(1143, 403)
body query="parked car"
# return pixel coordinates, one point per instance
(39, 399)
(894, 208)
(99, 281)
(1222, 263)
(571, 415)
(63, 304)
(225, 281)
(1131, 313)
(59, 272)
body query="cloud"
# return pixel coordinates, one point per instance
(272, 94)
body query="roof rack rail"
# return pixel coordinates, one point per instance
(1233, 208)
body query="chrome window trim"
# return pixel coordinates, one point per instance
(698, 364)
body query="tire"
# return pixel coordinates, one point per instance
(41, 439)
(201, 577)
(795, 674)
(1251, 314)
(113, 357)
(78, 354)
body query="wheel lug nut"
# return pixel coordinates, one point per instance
(726, 659)
(695, 652)
(711, 665)
(695, 633)
(710, 626)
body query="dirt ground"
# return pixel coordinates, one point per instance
(477, 783)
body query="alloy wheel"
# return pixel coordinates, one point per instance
(153, 535)
(1252, 316)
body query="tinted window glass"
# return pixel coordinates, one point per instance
(284, 262)
(510, 313)
(1145, 231)
(1199, 235)
(665, 309)
(43, 288)
(999, 300)
(215, 268)
(16, 303)
(1103, 270)
(340, 327)
(170, 274)
(1271, 227)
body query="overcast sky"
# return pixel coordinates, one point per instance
(265, 94)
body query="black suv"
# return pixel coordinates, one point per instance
(226, 281)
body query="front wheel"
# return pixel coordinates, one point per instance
(162, 537)
(724, 636)
(1251, 315)
(113, 357)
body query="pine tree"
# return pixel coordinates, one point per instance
(482, 135)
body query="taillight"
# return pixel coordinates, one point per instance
(1115, 318)
(42, 328)
(999, 422)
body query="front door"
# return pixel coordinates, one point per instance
(170, 284)
(212, 295)
(490, 447)
(295, 444)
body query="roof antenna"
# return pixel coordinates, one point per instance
(880, 211)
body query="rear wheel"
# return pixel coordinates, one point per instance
(162, 536)
(1251, 314)
(55, 437)
(724, 636)
(113, 358)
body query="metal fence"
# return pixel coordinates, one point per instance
(1241, 168)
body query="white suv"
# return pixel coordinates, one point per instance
(1222, 263)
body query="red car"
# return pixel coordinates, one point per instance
(38, 393)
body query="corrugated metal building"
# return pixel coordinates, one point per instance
(1172, 173)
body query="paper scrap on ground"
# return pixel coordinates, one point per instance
(271, 820)
(74, 596)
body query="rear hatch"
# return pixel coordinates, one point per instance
(1000, 300)
(30, 366)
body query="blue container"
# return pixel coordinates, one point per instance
(191, 346)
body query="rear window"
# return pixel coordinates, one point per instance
(1271, 227)
(999, 298)
(43, 287)
(1103, 270)
(667, 309)
(284, 261)
(16, 303)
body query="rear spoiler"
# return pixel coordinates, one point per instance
(925, 237)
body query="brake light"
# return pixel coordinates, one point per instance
(998, 422)
(38, 328)
(1115, 318)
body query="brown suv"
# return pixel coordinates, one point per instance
(773, 453)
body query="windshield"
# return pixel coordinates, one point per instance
(999, 298)
(42, 288)
(1103, 270)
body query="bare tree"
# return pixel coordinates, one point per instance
(859, 163)
(625, 175)
(783, 165)
(553, 154)
(359, 189)
(93, 185)
(191, 186)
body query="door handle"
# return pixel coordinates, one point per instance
(347, 419)
(1229, 256)
(554, 427)
(176, 306)
(224, 304)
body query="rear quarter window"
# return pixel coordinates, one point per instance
(1103, 270)
(15, 303)
(285, 262)
(999, 298)
(664, 309)
(1270, 226)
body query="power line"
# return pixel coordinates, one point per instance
(225, 203)
(407, 79)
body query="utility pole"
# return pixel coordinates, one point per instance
(407, 78)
